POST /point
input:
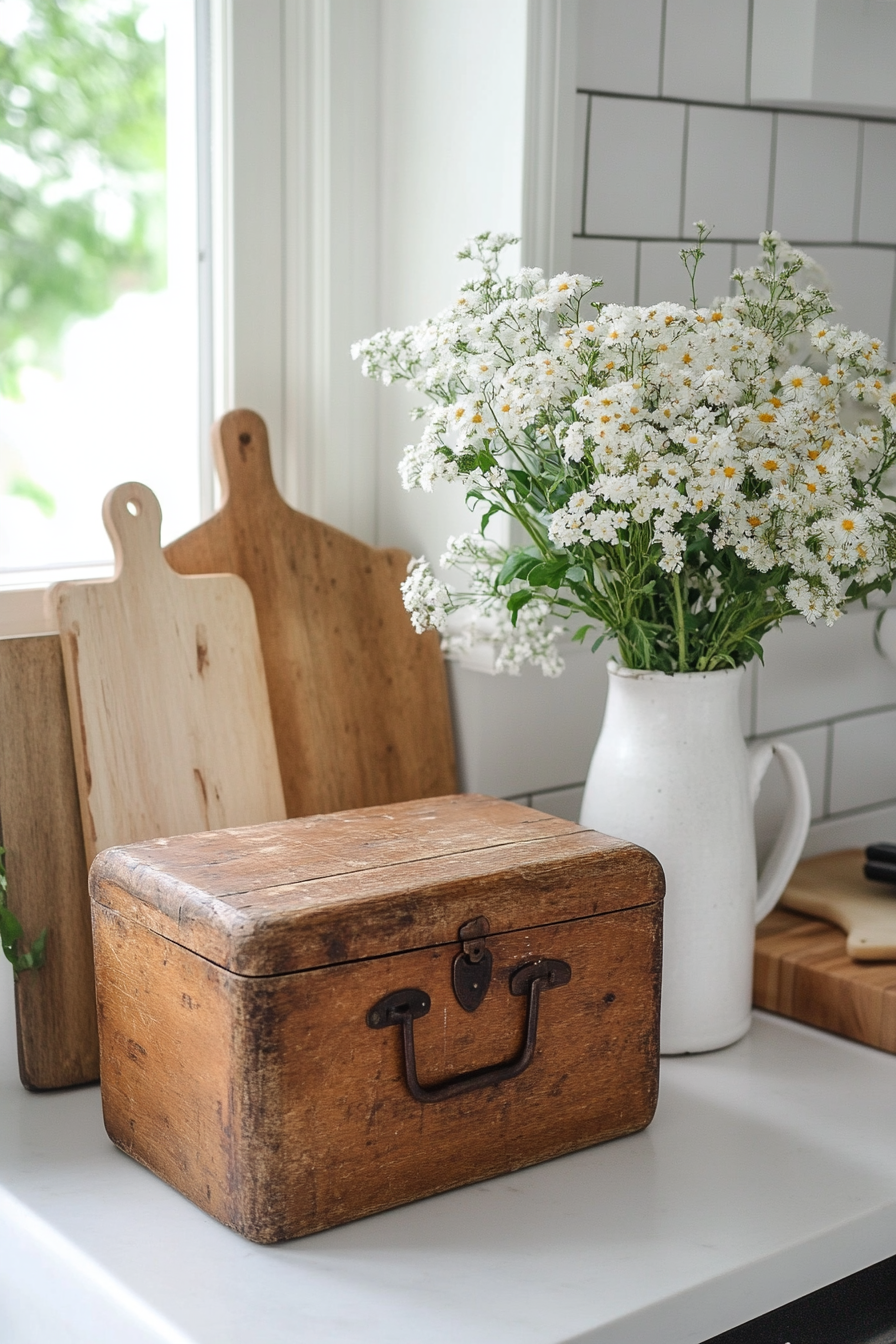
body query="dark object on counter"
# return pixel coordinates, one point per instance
(858, 1310)
(289, 1033)
(880, 863)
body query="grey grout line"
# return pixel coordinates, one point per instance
(587, 157)
(831, 720)
(828, 771)
(684, 166)
(739, 107)
(748, 73)
(772, 165)
(857, 203)
(748, 242)
(661, 73)
(637, 297)
(864, 810)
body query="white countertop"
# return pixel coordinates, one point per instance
(769, 1171)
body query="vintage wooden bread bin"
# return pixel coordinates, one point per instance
(309, 1021)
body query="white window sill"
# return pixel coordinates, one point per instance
(23, 593)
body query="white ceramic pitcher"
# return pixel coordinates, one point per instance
(671, 772)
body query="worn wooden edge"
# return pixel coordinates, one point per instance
(412, 906)
(241, 859)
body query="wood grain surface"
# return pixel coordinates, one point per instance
(802, 969)
(166, 688)
(323, 890)
(833, 887)
(41, 829)
(271, 1104)
(359, 700)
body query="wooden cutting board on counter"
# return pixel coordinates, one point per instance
(41, 829)
(359, 699)
(802, 970)
(171, 724)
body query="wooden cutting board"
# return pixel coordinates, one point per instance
(801, 968)
(41, 829)
(359, 700)
(171, 722)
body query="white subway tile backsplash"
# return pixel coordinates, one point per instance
(612, 259)
(866, 828)
(783, 46)
(863, 767)
(861, 280)
(566, 803)
(634, 169)
(619, 45)
(814, 673)
(815, 177)
(516, 734)
(811, 746)
(706, 50)
(877, 217)
(664, 278)
(728, 171)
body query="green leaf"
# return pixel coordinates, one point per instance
(11, 933)
(517, 565)
(575, 574)
(488, 516)
(517, 600)
(548, 574)
(579, 636)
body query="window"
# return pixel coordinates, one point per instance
(99, 378)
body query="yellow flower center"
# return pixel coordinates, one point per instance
(847, 524)
(767, 418)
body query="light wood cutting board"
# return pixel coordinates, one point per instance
(801, 968)
(171, 722)
(41, 829)
(359, 700)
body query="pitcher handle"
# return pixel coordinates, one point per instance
(788, 847)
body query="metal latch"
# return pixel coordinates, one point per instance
(471, 973)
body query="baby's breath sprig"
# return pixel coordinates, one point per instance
(680, 482)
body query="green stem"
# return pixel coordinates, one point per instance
(679, 623)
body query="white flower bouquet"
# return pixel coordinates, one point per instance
(679, 478)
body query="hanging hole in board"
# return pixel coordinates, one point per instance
(134, 508)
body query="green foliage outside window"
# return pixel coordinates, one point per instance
(82, 164)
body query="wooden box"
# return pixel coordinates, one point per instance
(305, 1022)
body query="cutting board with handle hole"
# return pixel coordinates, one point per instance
(802, 967)
(171, 722)
(359, 699)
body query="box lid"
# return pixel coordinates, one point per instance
(315, 891)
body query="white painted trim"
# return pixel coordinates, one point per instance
(549, 160)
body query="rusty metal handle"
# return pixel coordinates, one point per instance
(403, 1006)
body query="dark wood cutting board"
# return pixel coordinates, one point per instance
(801, 970)
(41, 829)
